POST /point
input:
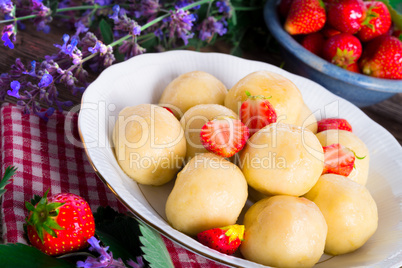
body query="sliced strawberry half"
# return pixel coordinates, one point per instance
(224, 136)
(225, 239)
(333, 123)
(257, 112)
(338, 160)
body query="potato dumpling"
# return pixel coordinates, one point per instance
(282, 159)
(284, 231)
(194, 119)
(190, 89)
(349, 210)
(307, 119)
(282, 93)
(209, 192)
(348, 139)
(149, 144)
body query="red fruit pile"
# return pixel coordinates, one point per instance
(351, 34)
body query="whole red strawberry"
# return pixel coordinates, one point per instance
(256, 112)
(346, 15)
(377, 22)
(60, 224)
(225, 239)
(224, 136)
(305, 16)
(313, 42)
(342, 49)
(382, 58)
(338, 160)
(333, 123)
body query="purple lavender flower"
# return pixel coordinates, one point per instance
(124, 23)
(45, 114)
(223, 6)
(210, 26)
(8, 35)
(80, 28)
(115, 15)
(15, 86)
(6, 6)
(104, 260)
(33, 69)
(138, 264)
(131, 49)
(180, 22)
(39, 8)
(71, 48)
(184, 3)
(147, 8)
(41, 26)
(103, 2)
(46, 80)
(99, 47)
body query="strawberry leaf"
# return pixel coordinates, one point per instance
(118, 231)
(154, 248)
(10, 171)
(20, 255)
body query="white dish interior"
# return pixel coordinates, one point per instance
(142, 80)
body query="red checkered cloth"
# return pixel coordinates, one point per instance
(46, 158)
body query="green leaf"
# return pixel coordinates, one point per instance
(106, 31)
(154, 248)
(119, 251)
(35, 200)
(54, 4)
(10, 171)
(20, 255)
(124, 229)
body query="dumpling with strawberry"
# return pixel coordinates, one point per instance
(279, 91)
(194, 119)
(190, 89)
(282, 159)
(345, 154)
(210, 192)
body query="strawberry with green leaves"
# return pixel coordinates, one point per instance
(224, 136)
(346, 15)
(225, 239)
(257, 112)
(338, 160)
(333, 123)
(60, 224)
(305, 16)
(342, 49)
(382, 58)
(377, 21)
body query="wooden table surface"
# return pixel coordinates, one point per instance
(33, 45)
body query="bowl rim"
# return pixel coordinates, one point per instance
(292, 46)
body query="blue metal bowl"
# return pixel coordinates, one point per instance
(359, 89)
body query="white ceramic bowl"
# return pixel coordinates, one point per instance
(142, 80)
